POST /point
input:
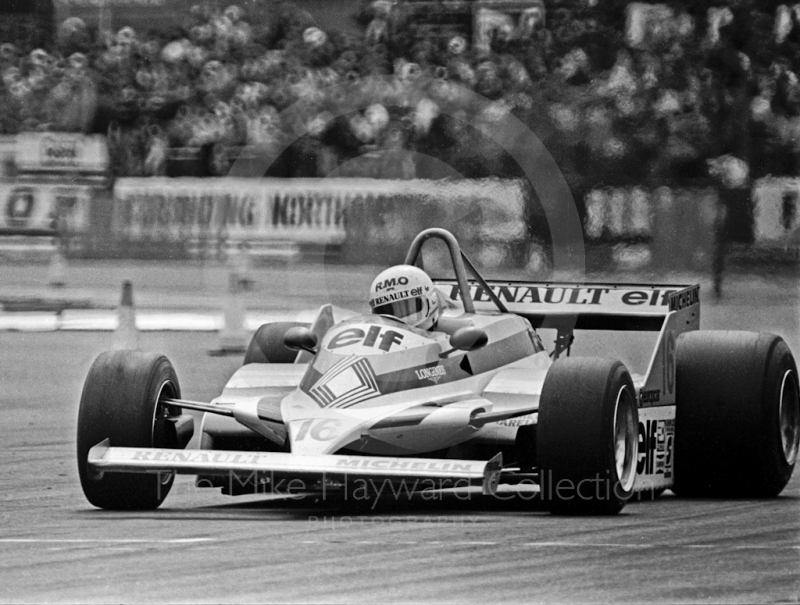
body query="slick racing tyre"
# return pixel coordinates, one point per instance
(122, 401)
(267, 346)
(737, 422)
(587, 437)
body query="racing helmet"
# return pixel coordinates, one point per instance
(407, 293)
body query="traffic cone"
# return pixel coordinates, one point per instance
(57, 271)
(232, 337)
(126, 336)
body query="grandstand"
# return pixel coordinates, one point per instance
(622, 93)
(27, 23)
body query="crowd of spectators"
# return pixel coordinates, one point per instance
(617, 99)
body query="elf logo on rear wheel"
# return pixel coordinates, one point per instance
(656, 439)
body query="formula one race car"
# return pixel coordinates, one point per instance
(353, 405)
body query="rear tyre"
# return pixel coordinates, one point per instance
(122, 401)
(267, 346)
(587, 437)
(737, 423)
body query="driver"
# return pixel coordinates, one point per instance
(407, 293)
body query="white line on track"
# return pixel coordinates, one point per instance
(103, 541)
(561, 544)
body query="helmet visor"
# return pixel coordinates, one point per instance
(402, 309)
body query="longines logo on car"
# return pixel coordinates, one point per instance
(433, 374)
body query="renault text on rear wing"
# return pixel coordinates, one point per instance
(588, 306)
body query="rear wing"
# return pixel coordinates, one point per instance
(668, 310)
(587, 306)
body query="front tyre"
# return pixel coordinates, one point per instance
(122, 401)
(587, 437)
(737, 423)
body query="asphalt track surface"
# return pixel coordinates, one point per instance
(202, 546)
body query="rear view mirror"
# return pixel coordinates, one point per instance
(300, 338)
(468, 338)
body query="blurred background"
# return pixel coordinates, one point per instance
(177, 129)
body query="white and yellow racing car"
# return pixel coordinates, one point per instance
(361, 404)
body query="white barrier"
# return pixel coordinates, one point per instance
(490, 218)
(208, 211)
(235, 210)
(671, 228)
(32, 208)
(61, 152)
(633, 212)
(619, 212)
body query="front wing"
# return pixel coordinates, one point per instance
(280, 466)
